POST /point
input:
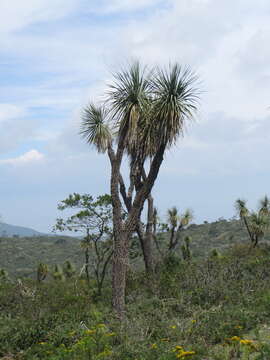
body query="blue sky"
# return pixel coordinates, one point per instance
(56, 55)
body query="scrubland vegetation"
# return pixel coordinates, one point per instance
(215, 307)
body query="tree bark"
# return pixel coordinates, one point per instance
(148, 239)
(120, 264)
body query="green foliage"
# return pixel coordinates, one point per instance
(3, 276)
(94, 220)
(256, 223)
(199, 307)
(69, 269)
(58, 273)
(42, 272)
(186, 253)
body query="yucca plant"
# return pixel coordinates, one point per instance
(42, 272)
(69, 269)
(58, 274)
(177, 223)
(144, 114)
(256, 223)
(186, 253)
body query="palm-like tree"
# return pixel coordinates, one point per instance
(256, 223)
(177, 223)
(243, 213)
(144, 114)
(264, 206)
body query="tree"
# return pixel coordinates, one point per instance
(94, 220)
(143, 115)
(42, 272)
(69, 269)
(176, 224)
(256, 223)
(171, 230)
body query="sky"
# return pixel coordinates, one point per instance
(57, 55)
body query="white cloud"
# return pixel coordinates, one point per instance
(113, 6)
(32, 156)
(17, 14)
(10, 111)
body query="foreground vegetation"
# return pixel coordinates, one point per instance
(213, 308)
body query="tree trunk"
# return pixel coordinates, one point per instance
(148, 240)
(120, 263)
(87, 265)
(123, 231)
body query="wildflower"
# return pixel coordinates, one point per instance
(173, 327)
(165, 339)
(235, 338)
(249, 343)
(42, 343)
(184, 354)
(153, 346)
(178, 348)
(193, 321)
(246, 342)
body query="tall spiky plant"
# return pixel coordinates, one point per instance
(243, 213)
(256, 223)
(147, 108)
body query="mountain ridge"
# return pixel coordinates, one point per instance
(8, 230)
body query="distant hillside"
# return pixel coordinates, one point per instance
(7, 230)
(20, 256)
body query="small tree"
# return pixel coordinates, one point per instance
(42, 272)
(4, 276)
(256, 223)
(186, 253)
(94, 220)
(172, 230)
(69, 269)
(176, 224)
(58, 273)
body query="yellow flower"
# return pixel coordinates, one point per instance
(235, 338)
(42, 343)
(178, 348)
(193, 321)
(153, 346)
(173, 327)
(249, 343)
(184, 354)
(165, 339)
